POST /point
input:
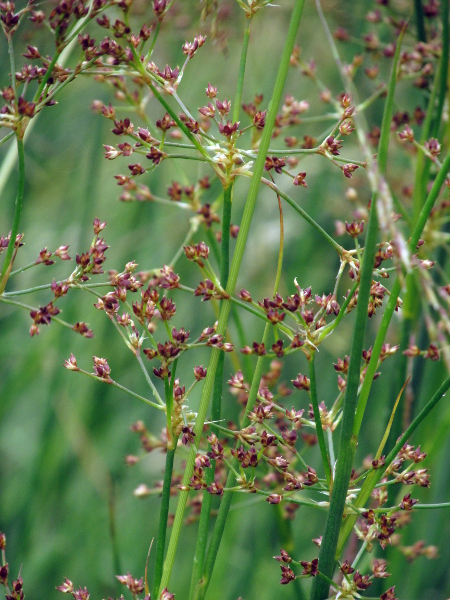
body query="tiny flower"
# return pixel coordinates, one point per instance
(355, 228)
(310, 568)
(215, 488)
(361, 581)
(245, 296)
(346, 568)
(274, 499)
(101, 368)
(66, 587)
(223, 107)
(284, 557)
(62, 253)
(288, 575)
(407, 135)
(188, 435)
(299, 179)
(81, 594)
(379, 569)
(389, 594)
(4, 570)
(332, 145)
(199, 373)
(407, 503)
(432, 353)
(301, 382)
(83, 329)
(433, 146)
(211, 91)
(348, 170)
(136, 586)
(229, 129)
(273, 162)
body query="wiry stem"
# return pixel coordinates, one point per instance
(8, 260)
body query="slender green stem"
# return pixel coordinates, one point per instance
(163, 514)
(28, 307)
(420, 21)
(149, 381)
(240, 81)
(317, 419)
(219, 526)
(234, 271)
(329, 328)
(216, 407)
(7, 264)
(46, 77)
(376, 474)
(348, 440)
(12, 62)
(395, 292)
(422, 167)
(443, 68)
(253, 394)
(7, 137)
(304, 214)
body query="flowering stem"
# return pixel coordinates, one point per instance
(234, 271)
(163, 514)
(216, 407)
(395, 292)
(375, 475)
(253, 394)
(7, 264)
(349, 439)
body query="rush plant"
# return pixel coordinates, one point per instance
(257, 418)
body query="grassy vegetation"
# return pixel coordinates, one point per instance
(81, 494)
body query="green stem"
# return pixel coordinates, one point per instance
(163, 515)
(395, 292)
(420, 21)
(348, 440)
(422, 168)
(216, 407)
(46, 77)
(234, 271)
(375, 475)
(240, 81)
(303, 214)
(149, 381)
(443, 68)
(7, 264)
(317, 419)
(12, 63)
(253, 394)
(219, 526)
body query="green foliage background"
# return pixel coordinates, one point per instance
(63, 437)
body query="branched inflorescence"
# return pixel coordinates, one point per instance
(282, 413)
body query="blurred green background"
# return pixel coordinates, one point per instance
(63, 437)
